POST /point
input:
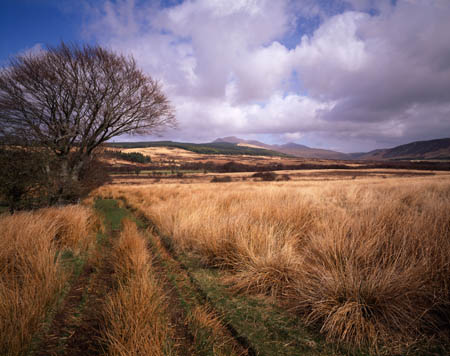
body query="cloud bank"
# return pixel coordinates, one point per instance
(349, 75)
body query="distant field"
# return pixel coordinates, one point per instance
(203, 148)
(318, 175)
(179, 159)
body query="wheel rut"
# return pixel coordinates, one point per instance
(197, 328)
(75, 328)
(185, 294)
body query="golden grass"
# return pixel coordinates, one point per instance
(31, 274)
(134, 314)
(368, 262)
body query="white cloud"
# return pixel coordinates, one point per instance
(379, 77)
(324, 60)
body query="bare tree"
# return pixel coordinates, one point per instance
(70, 99)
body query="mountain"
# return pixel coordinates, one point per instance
(426, 150)
(420, 150)
(229, 139)
(290, 148)
(308, 152)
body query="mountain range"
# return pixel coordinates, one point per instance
(418, 150)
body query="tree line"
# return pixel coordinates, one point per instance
(135, 157)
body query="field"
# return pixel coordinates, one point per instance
(330, 262)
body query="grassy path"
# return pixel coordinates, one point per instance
(205, 317)
(249, 325)
(75, 327)
(67, 327)
(199, 329)
(196, 327)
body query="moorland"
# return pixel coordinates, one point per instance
(211, 254)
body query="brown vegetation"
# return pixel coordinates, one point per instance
(367, 262)
(134, 314)
(32, 274)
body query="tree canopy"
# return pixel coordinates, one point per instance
(69, 99)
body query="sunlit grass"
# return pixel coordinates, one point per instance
(134, 313)
(32, 274)
(367, 262)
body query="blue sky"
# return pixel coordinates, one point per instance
(25, 23)
(350, 75)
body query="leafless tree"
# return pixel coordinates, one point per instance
(70, 99)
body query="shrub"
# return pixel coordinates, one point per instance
(222, 179)
(284, 177)
(22, 174)
(135, 157)
(29, 179)
(265, 176)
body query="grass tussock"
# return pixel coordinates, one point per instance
(75, 225)
(368, 263)
(31, 271)
(135, 322)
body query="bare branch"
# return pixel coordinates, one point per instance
(70, 99)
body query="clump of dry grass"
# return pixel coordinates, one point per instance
(31, 274)
(367, 261)
(134, 314)
(380, 276)
(130, 255)
(75, 224)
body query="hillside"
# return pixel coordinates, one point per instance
(290, 148)
(422, 150)
(438, 149)
(224, 148)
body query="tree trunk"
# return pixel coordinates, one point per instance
(67, 181)
(76, 170)
(64, 170)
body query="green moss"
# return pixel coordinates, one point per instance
(112, 213)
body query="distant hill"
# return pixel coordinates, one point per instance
(225, 148)
(290, 148)
(242, 142)
(419, 150)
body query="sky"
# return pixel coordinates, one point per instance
(347, 75)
